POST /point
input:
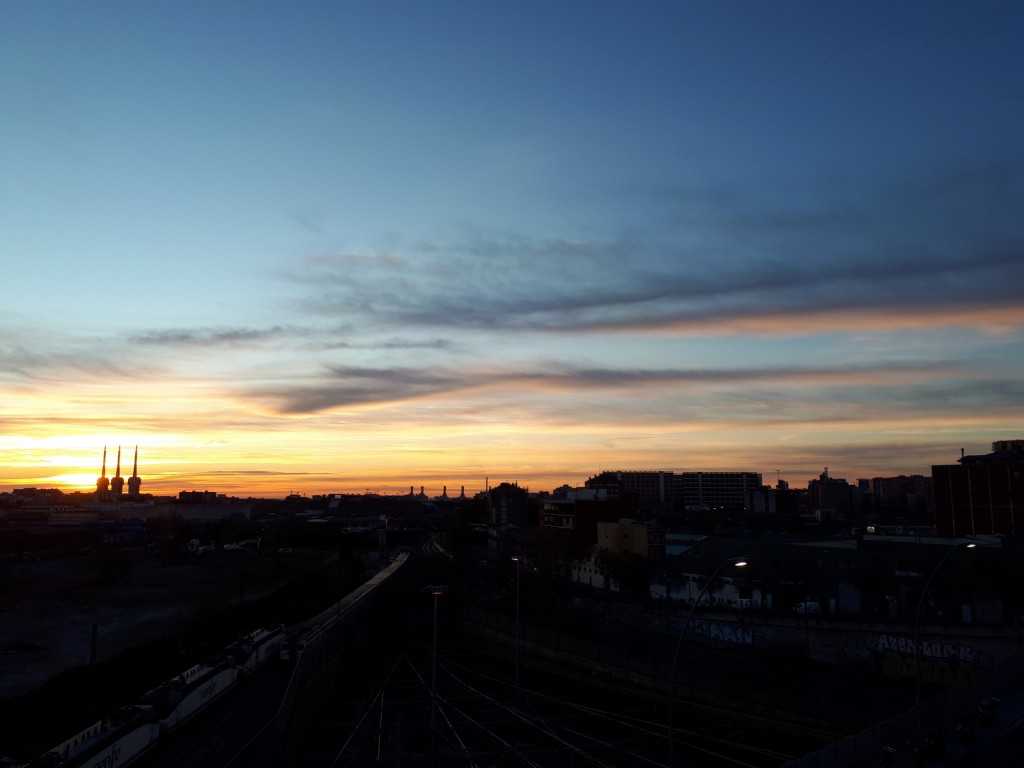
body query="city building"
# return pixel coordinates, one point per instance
(631, 537)
(831, 496)
(647, 490)
(508, 503)
(726, 492)
(981, 495)
(577, 513)
(900, 495)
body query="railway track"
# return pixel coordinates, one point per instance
(386, 716)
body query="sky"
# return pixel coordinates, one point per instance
(325, 247)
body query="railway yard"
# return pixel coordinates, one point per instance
(402, 686)
(386, 716)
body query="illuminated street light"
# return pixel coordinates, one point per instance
(737, 562)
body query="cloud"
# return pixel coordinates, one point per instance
(211, 337)
(394, 343)
(356, 260)
(87, 361)
(307, 338)
(949, 247)
(254, 473)
(340, 387)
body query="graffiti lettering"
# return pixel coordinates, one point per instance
(945, 672)
(724, 633)
(856, 651)
(905, 645)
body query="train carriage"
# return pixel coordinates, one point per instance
(113, 742)
(182, 697)
(256, 649)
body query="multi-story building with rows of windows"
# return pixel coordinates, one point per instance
(729, 492)
(647, 490)
(981, 495)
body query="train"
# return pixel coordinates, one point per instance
(127, 734)
(130, 732)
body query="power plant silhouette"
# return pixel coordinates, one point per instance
(112, 489)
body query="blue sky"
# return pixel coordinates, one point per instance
(327, 246)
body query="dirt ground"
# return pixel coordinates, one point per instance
(49, 609)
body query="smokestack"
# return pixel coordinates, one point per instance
(102, 483)
(117, 483)
(135, 482)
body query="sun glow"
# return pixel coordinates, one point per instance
(73, 480)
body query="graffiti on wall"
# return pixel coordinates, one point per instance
(900, 644)
(934, 662)
(723, 633)
(857, 651)
(944, 671)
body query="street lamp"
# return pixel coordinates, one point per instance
(436, 590)
(737, 562)
(515, 559)
(917, 623)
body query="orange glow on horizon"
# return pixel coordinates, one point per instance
(74, 481)
(996, 320)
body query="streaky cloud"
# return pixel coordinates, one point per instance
(340, 386)
(212, 337)
(950, 247)
(255, 473)
(18, 363)
(394, 343)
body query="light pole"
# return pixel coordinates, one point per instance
(737, 562)
(436, 590)
(515, 559)
(917, 623)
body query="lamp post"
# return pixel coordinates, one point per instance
(436, 590)
(515, 559)
(917, 623)
(737, 562)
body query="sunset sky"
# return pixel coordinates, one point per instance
(345, 246)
